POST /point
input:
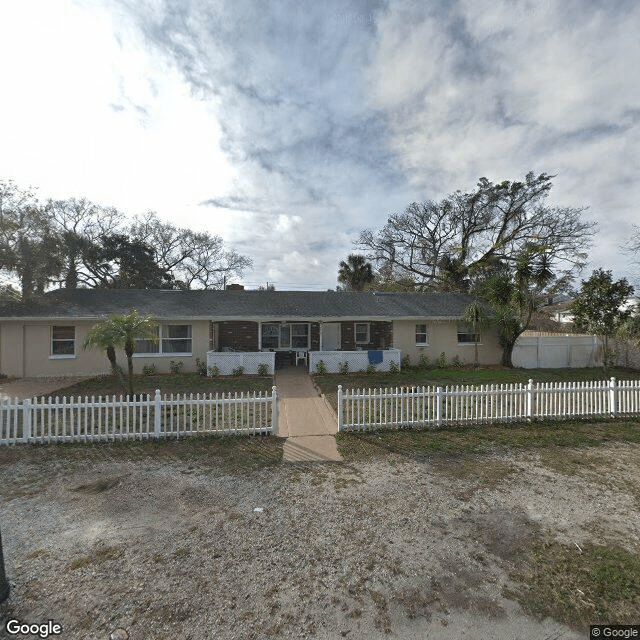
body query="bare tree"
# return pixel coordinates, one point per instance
(81, 224)
(195, 259)
(447, 245)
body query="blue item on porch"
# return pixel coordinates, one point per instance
(375, 357)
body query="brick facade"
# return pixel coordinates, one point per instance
(380, 336)
(241, 336)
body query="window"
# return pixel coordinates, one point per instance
(466, 335)
(176, 339)
(362, 332)
(63, 342)
(300, 336)
(284, 336)
(270, 336)
(421, 334)
(148, 346)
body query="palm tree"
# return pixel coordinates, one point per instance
(122, 331)
(132, 327)
(476, 316)
(356, 272)
(104, 336)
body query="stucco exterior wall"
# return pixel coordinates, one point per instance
(25, 351)
(443, 336)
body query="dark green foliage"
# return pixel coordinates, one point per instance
(596, 309)
(355, 273)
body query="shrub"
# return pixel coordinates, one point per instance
(457, 363)
(201, 367)
(237, 372)
(442, 360)
(321, 368)
(393, 367)
(175, 366)
(213, 371)
(425, 363)
(371, 368)
(149, 370)
(406, 361)
(343, 367)
(263, 369)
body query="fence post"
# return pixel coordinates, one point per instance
(26, 420)
(339, 407)
(613, 404)
(439, 406)
(157, 414)
(274, 411)
(530, 400)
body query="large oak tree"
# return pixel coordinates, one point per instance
(453, 243)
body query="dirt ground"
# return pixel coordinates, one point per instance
(168, 546)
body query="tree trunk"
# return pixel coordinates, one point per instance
(507, 353)
(71, 279)
(115, 369)
(129, 349)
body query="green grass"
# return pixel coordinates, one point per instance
(328, 384)
(413, 443)
(595, 584)
(167, 383)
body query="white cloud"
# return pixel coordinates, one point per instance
(106, 119)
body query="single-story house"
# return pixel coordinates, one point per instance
(45, 337)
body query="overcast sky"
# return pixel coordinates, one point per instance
(288, 126)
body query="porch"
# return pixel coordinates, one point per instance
(251, 361)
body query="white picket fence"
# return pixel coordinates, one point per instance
(361, 409)
(112, 418)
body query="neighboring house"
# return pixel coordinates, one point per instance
(561, 312)
(45, 338)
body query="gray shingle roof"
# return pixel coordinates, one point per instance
(221, 305)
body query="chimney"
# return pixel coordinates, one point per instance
(235, 287)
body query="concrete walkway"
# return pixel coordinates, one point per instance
(307, 423)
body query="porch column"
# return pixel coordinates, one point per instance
(259, 335)
(321, 324)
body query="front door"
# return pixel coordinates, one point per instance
(331, 336)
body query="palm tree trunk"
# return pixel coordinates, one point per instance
(115, 369)
(129, 349)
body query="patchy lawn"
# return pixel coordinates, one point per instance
(414, 377)
(168, 383)
(415, 443)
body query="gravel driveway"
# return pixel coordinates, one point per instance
(169, 545)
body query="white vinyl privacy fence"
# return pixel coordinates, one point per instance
(362, 409)
(116, 418)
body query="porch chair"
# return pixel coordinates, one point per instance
(301, 355)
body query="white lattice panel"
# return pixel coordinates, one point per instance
(357, 360)
(249, 361)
